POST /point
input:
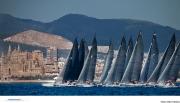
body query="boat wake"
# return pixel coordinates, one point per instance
(113, 85)
(48, 84)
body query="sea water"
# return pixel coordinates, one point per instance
(41, 89)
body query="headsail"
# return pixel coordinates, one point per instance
(120, 61)
(154, 56)
(86, 49)
(88, 71)
(92, 66)
(129, 51)
(108, 63)
(163, 61)
(170, 73)
(117, 68)
(134, 66)
(83, 75)
(151, 61)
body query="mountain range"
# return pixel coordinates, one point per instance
(76, 25)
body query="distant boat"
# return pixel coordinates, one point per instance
(151, 61)
(134, 66)
(108, 63)
(117, 68)
(163, 61)
(88, 72)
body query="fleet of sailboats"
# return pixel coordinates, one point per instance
(125, 68)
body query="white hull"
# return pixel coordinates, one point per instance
(113, 85)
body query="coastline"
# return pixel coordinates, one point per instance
(37, 81)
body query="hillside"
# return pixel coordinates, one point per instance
(37, 38)
(81, 26)
(74, 25)
(10, 25)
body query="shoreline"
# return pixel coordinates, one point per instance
(38, 81)
(27, 81)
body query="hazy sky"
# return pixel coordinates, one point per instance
(164, 12)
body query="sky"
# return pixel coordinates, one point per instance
(164, 12)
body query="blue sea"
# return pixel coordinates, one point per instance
(37, 89)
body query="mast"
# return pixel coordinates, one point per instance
(163, 61)
(151, 60)
(134, 66)
(108, 63)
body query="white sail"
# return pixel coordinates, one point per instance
(163, 61)
(108, 63)
(134, 66)
(151, 61)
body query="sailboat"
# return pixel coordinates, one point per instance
(163, 61)
(170, 73)
(117, 69)
(134, 66)
(81, 59)
(108, 63)
(67, 74)
(151, 61)
(88, 72)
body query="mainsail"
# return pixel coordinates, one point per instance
(170, 73)
(108, 63)
(163, 61)
(88, 71)
(134, 66)
(65, 74)
(151, 61)
(81, 58)
(117, 68)
(73, 75)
